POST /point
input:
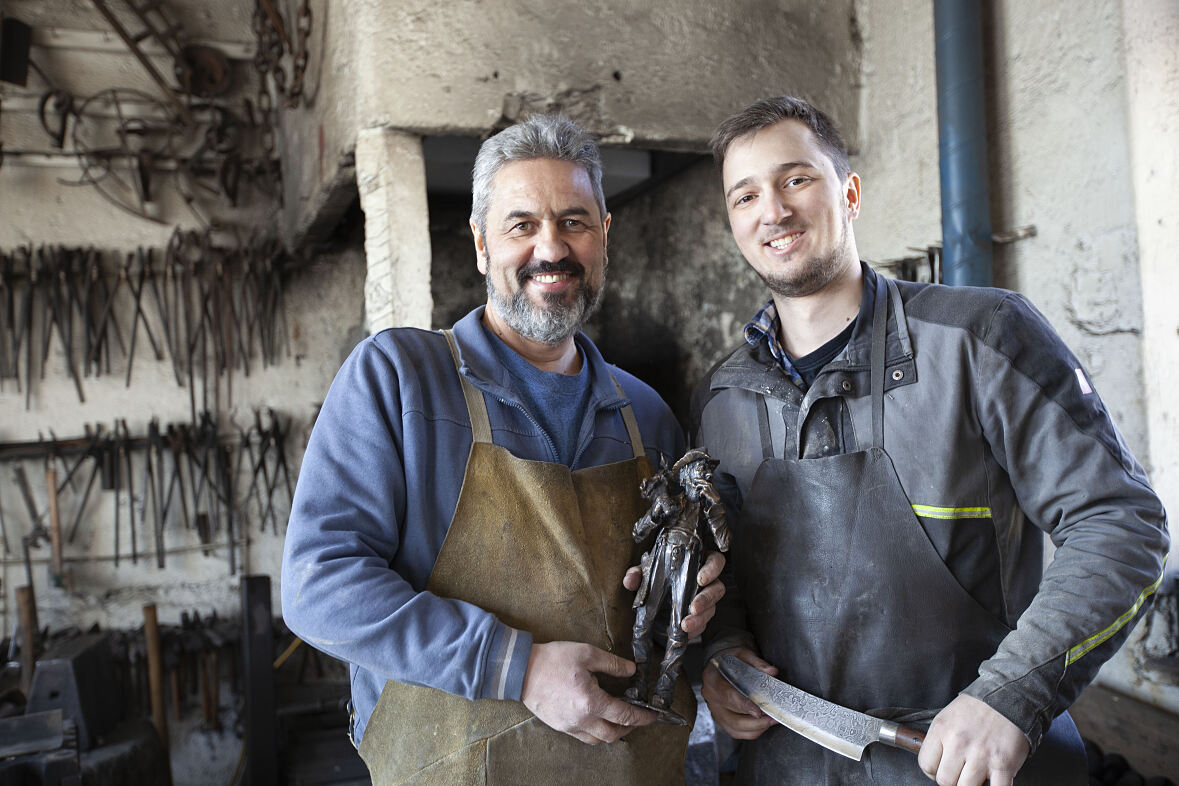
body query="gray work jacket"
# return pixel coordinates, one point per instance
(996, 434)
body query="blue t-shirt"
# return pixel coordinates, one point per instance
(557, 401)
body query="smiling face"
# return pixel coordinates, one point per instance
(789, 210)
(544, 250)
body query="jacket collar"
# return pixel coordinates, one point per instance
(757, 360)
(898, 347)
(480, 365)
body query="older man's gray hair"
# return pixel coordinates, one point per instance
(540, 136)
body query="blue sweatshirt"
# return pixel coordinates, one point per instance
(378, 487)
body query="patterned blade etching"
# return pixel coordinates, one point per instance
(836, 728)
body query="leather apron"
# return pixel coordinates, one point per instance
(848, 597)
(543, 548)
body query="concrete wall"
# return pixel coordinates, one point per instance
(1151, 31)
(1082, 100)
(1152, 86)
(620, 68)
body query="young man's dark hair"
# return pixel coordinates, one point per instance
(771, 111)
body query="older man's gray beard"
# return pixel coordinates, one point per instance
(549, 324)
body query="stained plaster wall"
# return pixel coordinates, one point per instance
(1082, 100)
(1152, 70)
(1151, 32)
(324, 312)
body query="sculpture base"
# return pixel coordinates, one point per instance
(665, 715)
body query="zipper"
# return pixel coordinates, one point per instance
(549, 440)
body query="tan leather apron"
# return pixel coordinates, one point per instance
(543, 548)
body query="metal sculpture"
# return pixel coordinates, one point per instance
(682, 498)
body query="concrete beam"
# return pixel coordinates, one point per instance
(391, 178)
(1152, 86)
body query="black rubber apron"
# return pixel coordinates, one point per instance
(849, 598)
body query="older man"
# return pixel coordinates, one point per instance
(462, 518)
(896, 453)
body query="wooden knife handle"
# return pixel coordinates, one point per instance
(907, 738)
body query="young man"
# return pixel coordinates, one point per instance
(892, 454)
(463, 515)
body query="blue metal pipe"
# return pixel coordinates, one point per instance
(962, 146)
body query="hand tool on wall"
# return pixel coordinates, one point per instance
(148, 268)
(260, 468)
(61, 313)
(185, 283)
(26, 328)
(274, 436)
(281, 432)
(37, 530)
(4, 530)
(245, 452)
(94, 451)
(147, 488)
(55, 454)
(137, 297)
(155, 452)
(92, 269)
(224, 465)
(26, 596)
(48, 316)
(57, 572)
(108, 317)
(176, 448)
(200, 466)
(70, 471)
(7, 320)
(17, 315)
(125, 449)
(112, 471)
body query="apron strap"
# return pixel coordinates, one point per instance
(894, 295)
(632, 426)
(879, 337)
(763, 426)
(476, 406)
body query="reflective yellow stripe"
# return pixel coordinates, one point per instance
(1088, 645)
(933, 512)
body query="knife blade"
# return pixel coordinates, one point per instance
(839, 729)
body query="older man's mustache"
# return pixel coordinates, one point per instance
(544, 266)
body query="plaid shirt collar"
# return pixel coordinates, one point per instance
(764, 327)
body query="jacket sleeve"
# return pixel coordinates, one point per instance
(340, 590)
(1074, 478)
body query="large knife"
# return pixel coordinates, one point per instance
(836, 728)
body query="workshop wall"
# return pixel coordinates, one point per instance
(42, 207)
(621, 69)
(1082, 101)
